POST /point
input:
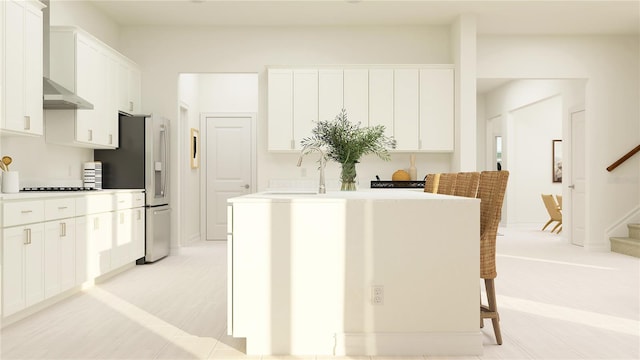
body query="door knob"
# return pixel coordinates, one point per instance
(246, 186)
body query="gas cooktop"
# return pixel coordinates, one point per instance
(58, 188)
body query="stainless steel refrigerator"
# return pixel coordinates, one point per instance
(141, 162)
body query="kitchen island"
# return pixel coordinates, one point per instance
(373, 272)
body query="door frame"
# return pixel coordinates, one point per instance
(203, 159)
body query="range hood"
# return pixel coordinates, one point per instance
(54, 95)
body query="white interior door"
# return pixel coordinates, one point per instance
(577, 186)
(228, 168)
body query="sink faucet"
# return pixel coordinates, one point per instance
(323, 162)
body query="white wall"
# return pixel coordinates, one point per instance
(534, 128)
(188, 187)
(610, 63)
(84, 15)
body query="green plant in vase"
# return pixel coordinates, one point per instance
(346, 143)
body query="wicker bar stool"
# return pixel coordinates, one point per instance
(491, 194)
(467, 184)
(447, 183)
(429, 182)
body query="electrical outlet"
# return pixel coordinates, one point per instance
(377, 295)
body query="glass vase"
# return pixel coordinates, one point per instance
(348, 176)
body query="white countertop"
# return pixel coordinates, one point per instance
(365, 194)
(26, 195)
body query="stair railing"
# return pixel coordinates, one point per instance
(624, 158)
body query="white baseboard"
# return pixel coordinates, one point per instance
(409, 344)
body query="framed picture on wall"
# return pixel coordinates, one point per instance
(556, 150)
(195, 148)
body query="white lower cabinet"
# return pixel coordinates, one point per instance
(59, 256)
(123, 241)
(50, 246)
(138, 233)
(99, 238)
(22, 267)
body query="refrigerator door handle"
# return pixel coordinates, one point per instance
(164, 160)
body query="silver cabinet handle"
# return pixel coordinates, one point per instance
(130, 105)
(110, 139)
(63, 229)
(27, 236)
(572, 186)
(90, 135)
(61, 207)
(27, 122)
(26, 211)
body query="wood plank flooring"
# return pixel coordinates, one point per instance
(556, 301)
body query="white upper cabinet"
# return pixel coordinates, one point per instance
(128, 86)
(330, 93)
(381, 99)
(98, 74)
(356, 95)
(406, 109)
(305, 104)
(415, 104)
(437, 110)
(280, 110)
(21, 75)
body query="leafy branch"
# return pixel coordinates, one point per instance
(347, 142)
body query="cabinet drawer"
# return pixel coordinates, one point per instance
(124, 201)
(59, 208)
(138, 199)
(22, 212)
(93, 204)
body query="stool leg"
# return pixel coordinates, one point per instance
(493, 306)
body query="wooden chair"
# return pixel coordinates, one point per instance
(554, 212)
(467, 184)
(429, 183)
(447, 183)
(491, 194)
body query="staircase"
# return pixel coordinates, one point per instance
(628, 245)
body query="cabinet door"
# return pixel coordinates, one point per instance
(305, 104)
(123, 86)
(33, 113)
(330, 94)
(53, 233)
(280, 109)
(406, 109)
(122, 252)
(13, 244)
(86, 68)
(436, 109)
(111, 101)
(99, 238)
(135, 90)
(67, 254)
(83, 269)
(34, 264)
(14, 86)
(138, 233)
(381, 99)
(356, 95)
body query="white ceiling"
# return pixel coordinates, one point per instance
(493, 17)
